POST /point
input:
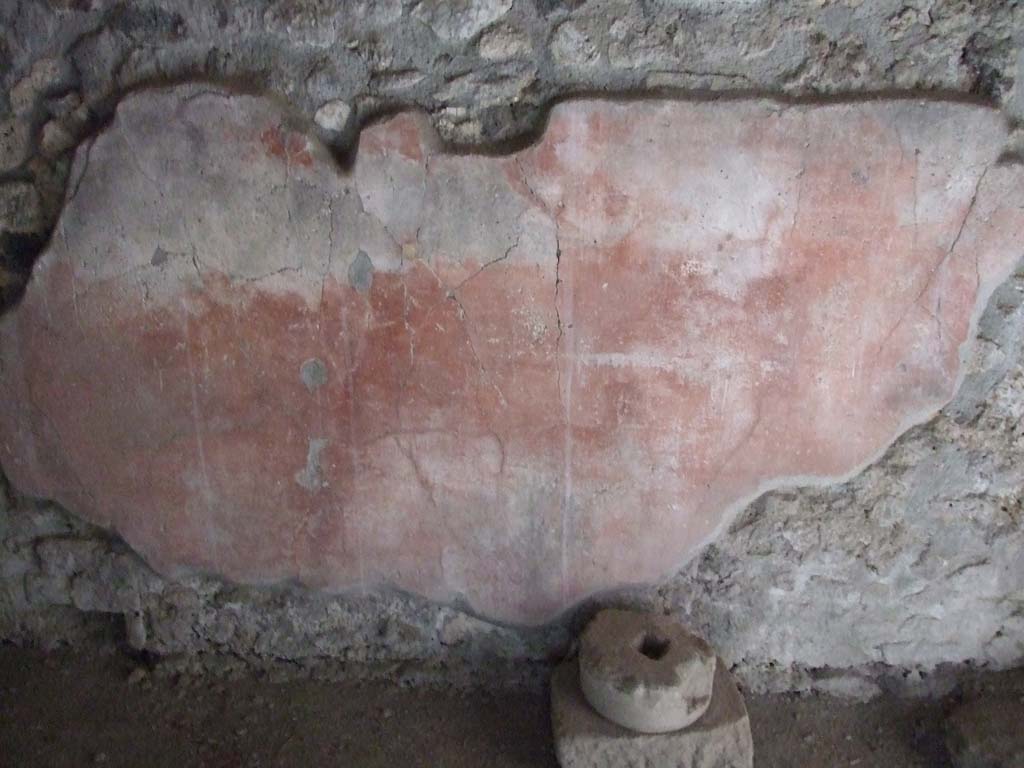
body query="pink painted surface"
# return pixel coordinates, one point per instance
(515, 380)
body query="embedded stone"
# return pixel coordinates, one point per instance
(20, 208)
(56, 138)
(333, 115)
(15, 142)
(454, 20)
(503, 43)
(554, 372)
(46, 75)
(645, 672)
(584, 739)
(570, 46)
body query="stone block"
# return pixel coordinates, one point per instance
(644, 671)
(583, 739)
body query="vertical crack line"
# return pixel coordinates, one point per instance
(194, 257)
(308, 530)
(449, 293)
(565, 355)
(328, 266)
(85, 168)
(970, 210)
(558, 283)
(197, 424)
(134, 155)
(464, 320)
(917, 174)
(939, 265)
(417, 469)
(799, 198)
(357, 539)
(800, 180)
(74, 280)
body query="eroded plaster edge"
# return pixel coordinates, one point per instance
(437, 141)
(444, 634)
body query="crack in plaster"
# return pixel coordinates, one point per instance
(933, 273)
(565, 343)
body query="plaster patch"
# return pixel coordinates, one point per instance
(549, 373)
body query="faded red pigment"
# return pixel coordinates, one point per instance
(694, 302)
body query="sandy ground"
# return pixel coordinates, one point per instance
(86, 708)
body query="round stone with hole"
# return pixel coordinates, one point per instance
(645, 672)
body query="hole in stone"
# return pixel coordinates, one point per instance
(652, 646)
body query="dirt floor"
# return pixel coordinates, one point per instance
(94, 709)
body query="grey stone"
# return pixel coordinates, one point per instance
(573, 47)
(1015, 100)
(64, 106)
(987, 733)
(503, 43)
(455, 20)
(15, 147)
(56, 139)
(20, 208)
(135, 630)
(46, 75)
(584, 739)
(644, 671)
(333, 115)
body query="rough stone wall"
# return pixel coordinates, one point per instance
(913, 564)
(485, 70)
(916, 563)
(62, 581)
